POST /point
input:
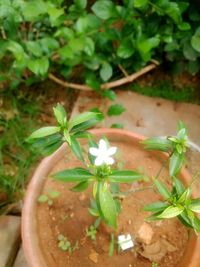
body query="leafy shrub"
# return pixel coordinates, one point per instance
(41, 36)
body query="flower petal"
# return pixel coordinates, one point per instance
(111, 151)
(102, 145)
(109, 160)
(98, 161)
(94, 151)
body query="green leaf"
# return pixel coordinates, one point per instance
(39, 66)
(195, 205)
(106, 71)
(175, 163)
(189, 52)
(54, 14)
(156, 206)
(89, 123)
(16, 49)
(193, 67)
(115, 110)
(117, 126)
(76, 148)
(81, 3)
(171, 212)
(110, 94)
(157, 143)
(173, 11)
(185, 195)
(195, 41)
(178, 186)
(32, 10)
(45, 131)
(125, 49)
(162, 189)
(82, 186)
(73, 175)
(145, 46)
(48, 150)
(86, 116)
(65, 33)
(43, 199)
(125, 176)
(196, 224)
(34, 48)
(103, 9)
(107, 205)
(183, 217)
(93, 212)
(48, 144)
(67, 136)
(89, 46)
(140, 3)
(60, 114)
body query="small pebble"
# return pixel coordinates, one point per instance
(71, 215)
(82, 197)
(93, 256)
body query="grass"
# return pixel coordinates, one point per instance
(18, 115)
(165, 89)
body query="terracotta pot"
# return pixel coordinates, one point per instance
(30, 238)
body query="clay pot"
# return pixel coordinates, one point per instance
(31, 242)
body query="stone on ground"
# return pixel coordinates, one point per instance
(9, 239)
(20, 259)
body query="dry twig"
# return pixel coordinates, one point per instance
(108, 85)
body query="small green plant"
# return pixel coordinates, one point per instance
(98, 169)
(49, 197)
(65, 245)
(91, 232)
(154, 264)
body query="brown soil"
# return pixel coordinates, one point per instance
(163, 242)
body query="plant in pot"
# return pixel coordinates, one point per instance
(133, 208)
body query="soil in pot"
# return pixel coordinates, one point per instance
(161, 241)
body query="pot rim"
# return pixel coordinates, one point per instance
(30, 241)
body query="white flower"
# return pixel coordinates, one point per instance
(103, 153)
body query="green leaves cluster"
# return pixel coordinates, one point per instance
(48, 139)
(40, 36)
(177, 203)
(105, 205)
(175, 146)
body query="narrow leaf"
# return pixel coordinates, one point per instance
(195, 205)
(81, 118)
(45, 131)
(157, 143)
(178, 186)
(82, 186)
(107, 205)
(76, 148)
(175, 163)
(156, 206)
(73, 175)
(162, 189)
(60, 114)
(125, 176)
(171, 212)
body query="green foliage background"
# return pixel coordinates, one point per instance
(38, 37)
